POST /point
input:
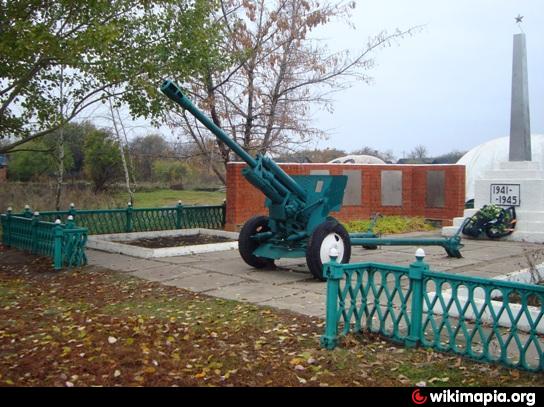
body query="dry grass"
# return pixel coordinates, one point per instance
(41, 197)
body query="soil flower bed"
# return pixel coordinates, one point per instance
(176, 241)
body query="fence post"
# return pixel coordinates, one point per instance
(27, 213)
(416, 274)
(72, 211)
(57, 246)
(6, 234)
(34, 232)
(224, 209)
(128, 227)
(179, 210)
(334, 273)
(70, 223)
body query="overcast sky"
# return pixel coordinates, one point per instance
(448, 87)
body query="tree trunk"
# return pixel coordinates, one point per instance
(122, 152)
(60, 168)
(60, 145)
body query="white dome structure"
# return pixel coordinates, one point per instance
(357, 159)
(488, 155)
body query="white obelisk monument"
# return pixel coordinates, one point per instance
(518, 182)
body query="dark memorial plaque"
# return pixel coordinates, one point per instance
(353, 192)
(391, 188)
(435, 191)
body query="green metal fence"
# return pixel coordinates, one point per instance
(483, 319)
(63, 243)
(129, 219)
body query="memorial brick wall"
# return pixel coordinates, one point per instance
(434, 192)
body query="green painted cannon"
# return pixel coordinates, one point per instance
(298, 222)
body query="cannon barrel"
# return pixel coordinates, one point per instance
(171, 90)
(277, 184)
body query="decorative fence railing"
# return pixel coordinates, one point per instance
(63, 243)
(483, 319)
(129, 219)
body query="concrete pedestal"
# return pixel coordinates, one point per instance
(530, 212)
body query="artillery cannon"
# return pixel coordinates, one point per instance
(298, 223)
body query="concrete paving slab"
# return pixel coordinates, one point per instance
(119, 262)
(220, 256)
(166, 272)
(447, 264)
(486, 254)
(198, 258)
(476, 272)
(182, 259)
(307, 303)
(278, 276)
(504, 266)
(205, 281)
(311, 285)
(225, 266)
(253, 292)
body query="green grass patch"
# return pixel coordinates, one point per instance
(10, 291)
(170, 197)
(437, 373)
(210, 312)
(391, 225)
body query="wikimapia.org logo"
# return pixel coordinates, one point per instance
(418, 398)
(483, 398)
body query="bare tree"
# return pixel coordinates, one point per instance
(263, 96)
(419, 152)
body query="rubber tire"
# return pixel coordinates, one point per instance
(313, 258)
(246, 246)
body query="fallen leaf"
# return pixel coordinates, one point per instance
(301, 380)
(296, 361)
(439, 379)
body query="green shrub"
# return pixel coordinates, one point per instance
(390, 225)
(102, 163)
(170, 171)
(36, 159)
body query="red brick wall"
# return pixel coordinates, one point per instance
(245, 201)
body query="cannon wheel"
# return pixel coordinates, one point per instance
(246, 245)
(326, 236)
